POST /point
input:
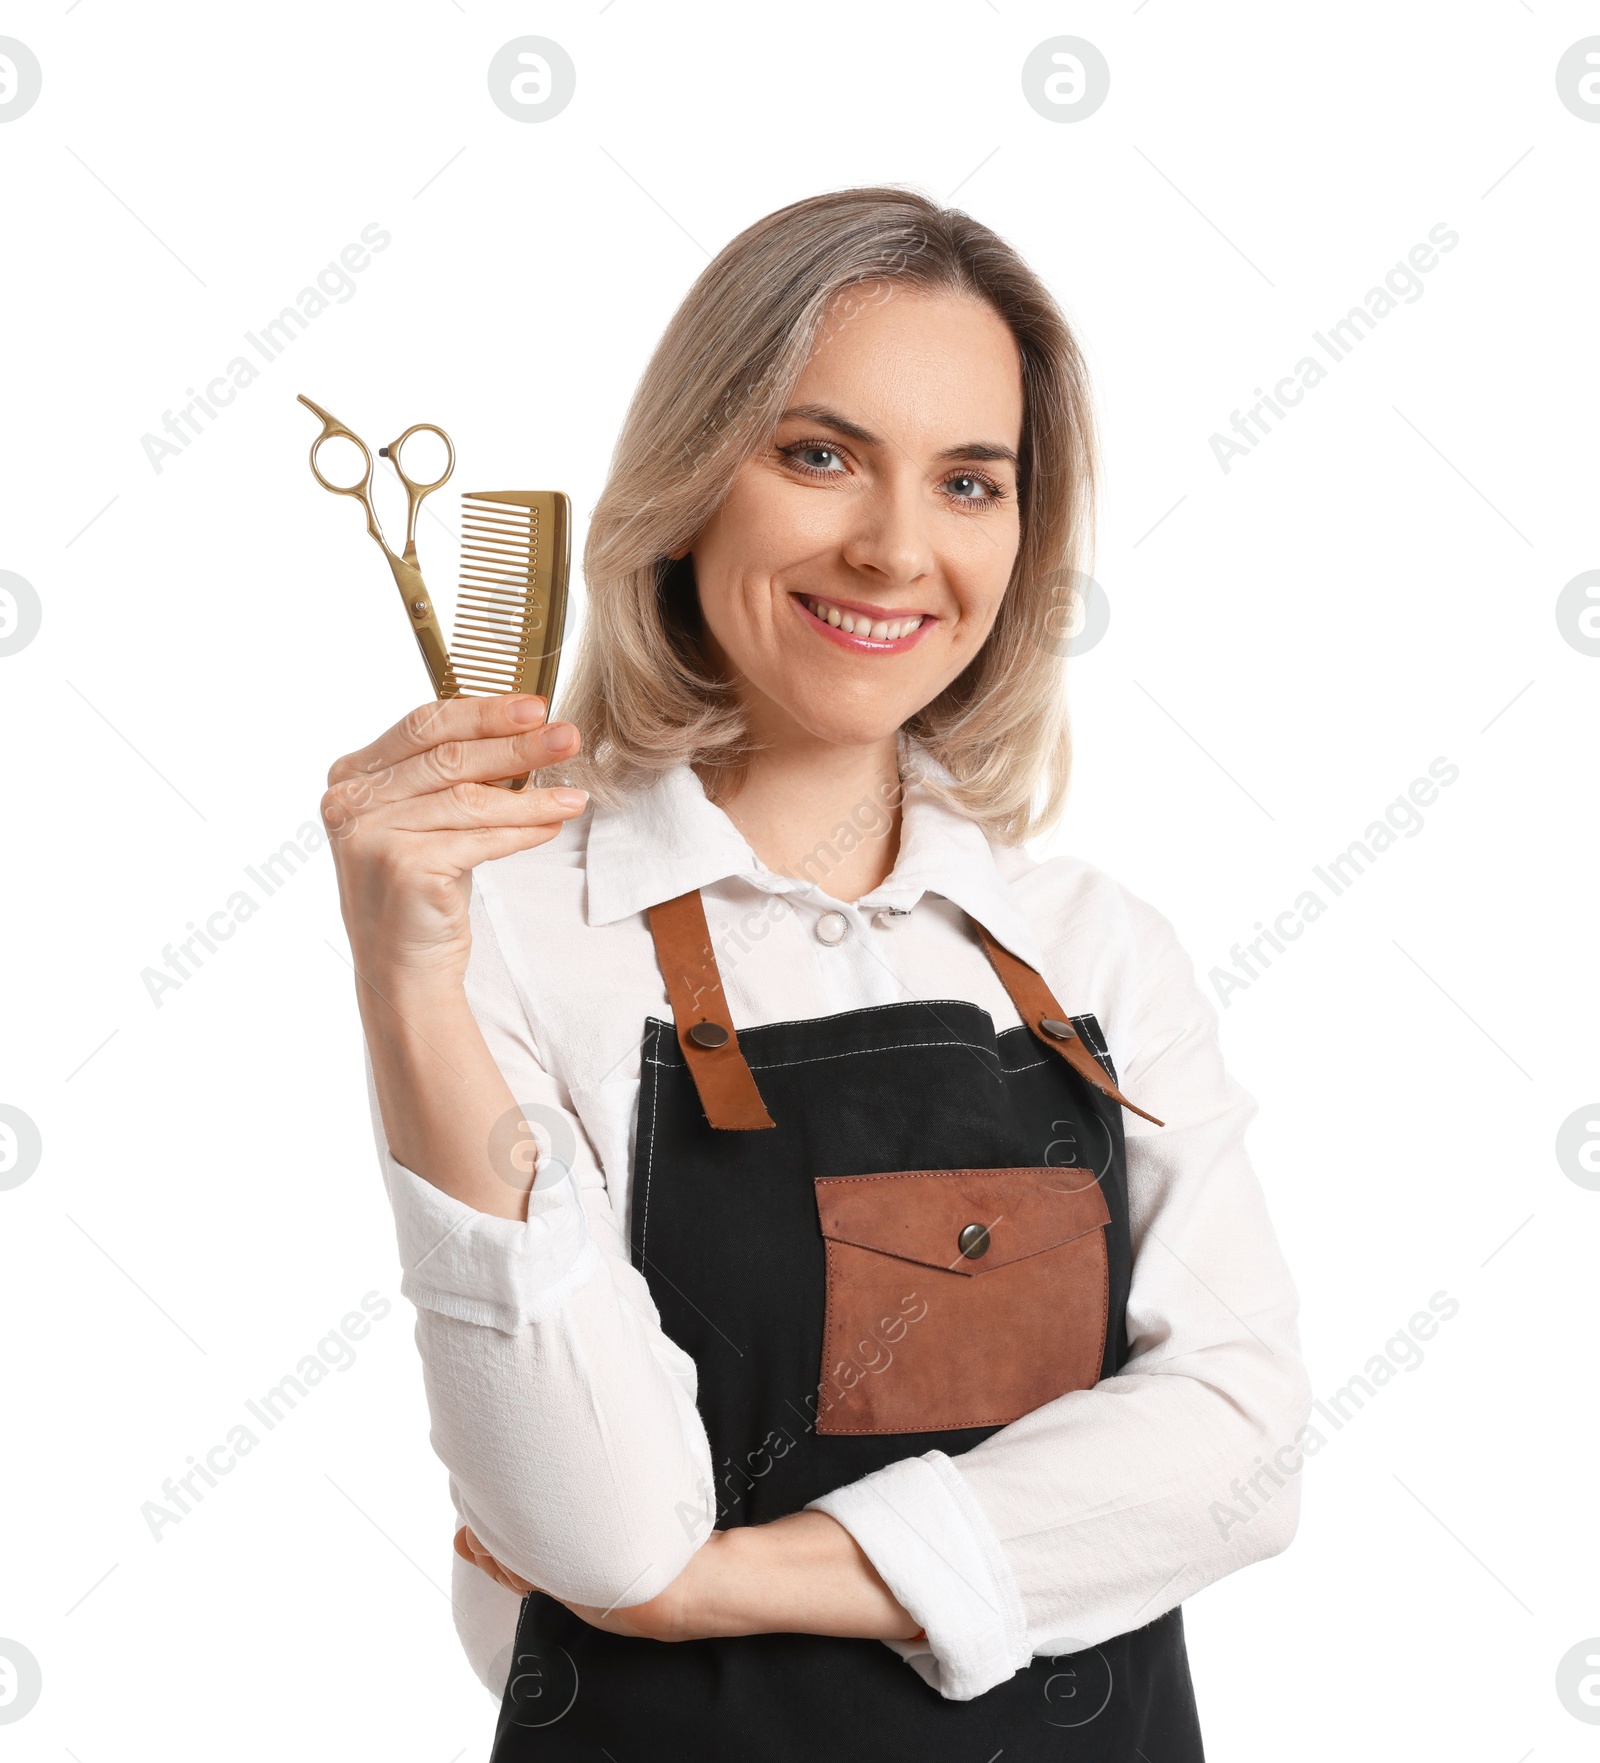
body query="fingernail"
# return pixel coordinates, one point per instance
(570, 798)
(558, 736)
(526, 710)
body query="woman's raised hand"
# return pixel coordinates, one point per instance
(412, 815)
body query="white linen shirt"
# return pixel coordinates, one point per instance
(567, 1419)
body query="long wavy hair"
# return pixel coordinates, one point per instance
(640, 688)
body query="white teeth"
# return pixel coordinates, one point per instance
(884, 630)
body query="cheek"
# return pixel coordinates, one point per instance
(738, 605)
(980, 579)
(744, 618)
(746, 563)
(752, 539)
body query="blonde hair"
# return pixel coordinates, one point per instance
(711, 397)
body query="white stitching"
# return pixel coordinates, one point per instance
(873, 1009)
(856, 1052)
(650, 1154)
(1019, 1028)
(1094, 1038)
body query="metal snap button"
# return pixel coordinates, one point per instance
(1063, 1031)
(974, 1241)
(832, 928)
(709, 1034)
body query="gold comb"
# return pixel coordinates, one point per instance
(515, 554)
(516, 547)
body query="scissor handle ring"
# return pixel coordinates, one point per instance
(336, 431)
(392, 454)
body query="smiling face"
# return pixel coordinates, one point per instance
(860, 557)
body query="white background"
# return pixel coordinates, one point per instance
(1372, 588)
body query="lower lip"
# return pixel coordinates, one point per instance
(856, 644)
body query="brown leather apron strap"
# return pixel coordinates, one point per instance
(726, 1087)
(1037, 1007)
(727, 1090)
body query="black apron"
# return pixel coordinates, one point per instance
(725, 1228)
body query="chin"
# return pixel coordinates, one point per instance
(847, 706)
(866, 728)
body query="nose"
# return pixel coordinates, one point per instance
(890, 539)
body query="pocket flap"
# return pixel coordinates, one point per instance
(921, 1214)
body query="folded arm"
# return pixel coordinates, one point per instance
(580, 1463)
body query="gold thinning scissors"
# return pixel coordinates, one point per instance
(407, 575)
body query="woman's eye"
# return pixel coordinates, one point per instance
(816, 458)
(967, 488)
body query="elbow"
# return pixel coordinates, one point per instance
(1260, 1513)
(1274, 1525)
(636, 1576)
(1257, 1514)
(631, 1565)
(1291, 1443)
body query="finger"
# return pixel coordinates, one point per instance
(470, 1549)
(472, 807)
(501, 1575)
(446, 719)
(455, 761)
(457, 853)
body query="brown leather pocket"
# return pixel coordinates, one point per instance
(959, 1297)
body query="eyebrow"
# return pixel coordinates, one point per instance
(832, 419)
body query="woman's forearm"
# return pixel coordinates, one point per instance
(409, 818)
(443, 1099)
(565, 1416)
(804, 1574)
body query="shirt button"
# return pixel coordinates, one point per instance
(832, 928)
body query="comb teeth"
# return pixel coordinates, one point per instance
(512, 599)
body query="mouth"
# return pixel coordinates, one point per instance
(868, 630)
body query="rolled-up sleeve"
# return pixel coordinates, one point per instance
(565, 1416)
(1105, 1508)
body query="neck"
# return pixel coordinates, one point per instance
(812, 808)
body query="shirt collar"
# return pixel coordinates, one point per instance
(661, 841)
(667, 838)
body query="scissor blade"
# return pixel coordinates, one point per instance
(424, 625)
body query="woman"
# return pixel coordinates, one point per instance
(842, 1291)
